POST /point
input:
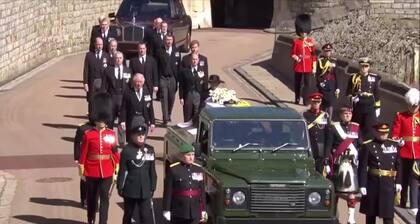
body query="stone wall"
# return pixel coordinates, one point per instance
(34, 31)
(200, 12)
(395, 8)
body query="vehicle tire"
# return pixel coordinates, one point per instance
(186, 46)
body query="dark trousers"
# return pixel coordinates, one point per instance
(100, 186)
(408, 178)
(364, 114)
(82, 191)
(372, 220)
(176, 220)
(306, 86)
(192, 105)
(418, 213)
(144, 208)
(168, 90)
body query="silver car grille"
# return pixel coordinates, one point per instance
(265, 198)
(133, 33)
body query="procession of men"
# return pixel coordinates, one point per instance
(367, 161)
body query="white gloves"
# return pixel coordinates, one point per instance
(398, 187)
(378, 112)
(401, 142)
(355, 99)
(327, 169)
(363, 191)
(167, 215)
(337, 93)
(204, 216)
(123, 127)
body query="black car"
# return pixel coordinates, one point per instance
(134, 22)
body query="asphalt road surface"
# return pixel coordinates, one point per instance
(39, 116)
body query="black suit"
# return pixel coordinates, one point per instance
(168, 65)
(135, 112)
(148, 69)
(192, 89)
(97, 32)
(202, 62)
(93, 71)
(137, 180)
(116, 86)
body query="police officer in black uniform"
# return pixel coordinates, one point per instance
(326, 79)
(363, 90)
(379, 176)
(317, 121)
(80, 131)
(137, 177)
(184, 197)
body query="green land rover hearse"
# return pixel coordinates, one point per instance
(258, 164)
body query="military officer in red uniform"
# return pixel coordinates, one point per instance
(406, 128)
(99, 158)
(304, 57)
(379, 175)
(317, 121)
(326, 79)
(363, 91)
(184, 196)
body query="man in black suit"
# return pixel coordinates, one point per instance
(116, 82)
(94, 65)
(158, 40)
(147, 66)
(150, 34)
(168, 61)
(104, 31)
(137, 106)
(193, 85)
(186, 60)
(112, 50)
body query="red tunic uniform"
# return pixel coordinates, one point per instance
(407, 127)
(99, 156)
(305, 50)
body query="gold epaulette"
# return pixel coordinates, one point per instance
(197, 164)
(367, 141)
(394, 140)
(174, 164)
(354, 123)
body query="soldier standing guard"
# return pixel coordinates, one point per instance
(406, 127)
(184, 196)
(363, 91)
(317, 121)
(379, 175)
(99, 158)
(137, 177)
(341, 149)
(304, 57)
(326, 79)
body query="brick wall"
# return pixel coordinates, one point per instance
(395, 8)
(34, 31)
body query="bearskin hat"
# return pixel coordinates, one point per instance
(101, 108)
(303, 24)
(412, 96)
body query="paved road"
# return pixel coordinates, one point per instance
(40, 115)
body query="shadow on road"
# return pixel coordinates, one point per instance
(157, 202)
(76, 116)
(68, 139)
(71, 81)
(72, 87)
(55, 202)
(42, 220)
(71, 96)
(60, 126)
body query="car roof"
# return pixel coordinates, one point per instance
(255, 112)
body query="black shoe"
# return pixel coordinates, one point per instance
(297, 102)
(164, 124)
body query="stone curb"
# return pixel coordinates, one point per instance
(8, 184)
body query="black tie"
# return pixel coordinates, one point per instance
(195, 72)
(141, 60)
(119, 73)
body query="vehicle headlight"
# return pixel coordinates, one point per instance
(238, 198)
(314, 198)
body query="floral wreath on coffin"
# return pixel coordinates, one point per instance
(224, 96)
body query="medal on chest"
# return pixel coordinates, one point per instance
(139, 154)
(197, 176)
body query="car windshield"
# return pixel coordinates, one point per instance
(267, 135)
(144, 9)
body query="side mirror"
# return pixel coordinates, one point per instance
(197, 149)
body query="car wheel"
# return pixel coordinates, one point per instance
(186, 46)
